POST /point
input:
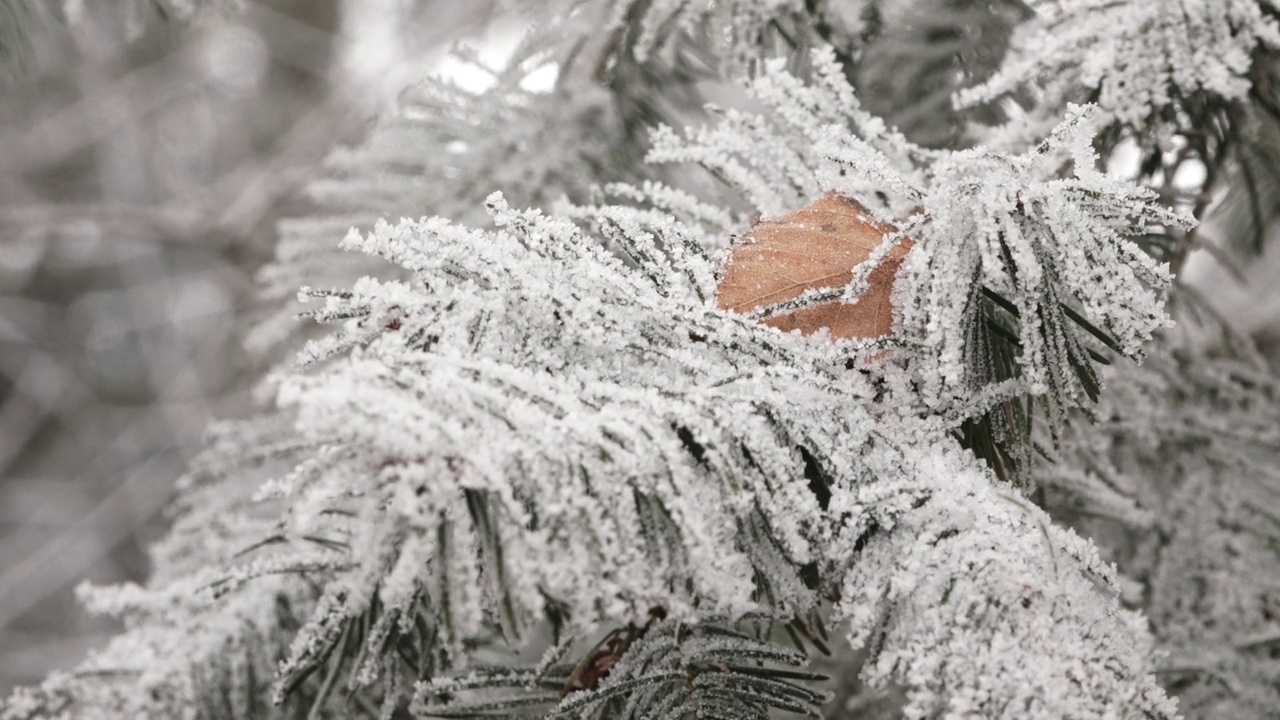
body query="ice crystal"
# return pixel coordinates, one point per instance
(1143, 63)
(527, 427)
(1043, 231)
(1192, 441)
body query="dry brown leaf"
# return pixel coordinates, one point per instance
(815, 247)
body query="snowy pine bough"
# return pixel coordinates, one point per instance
(527, 465)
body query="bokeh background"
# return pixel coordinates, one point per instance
(147, 150)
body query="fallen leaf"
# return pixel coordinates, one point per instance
(815, 247)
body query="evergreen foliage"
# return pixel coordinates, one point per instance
(1146, 65)
(525, 433)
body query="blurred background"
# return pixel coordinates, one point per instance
(147, 149)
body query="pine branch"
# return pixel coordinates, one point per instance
(667, 669)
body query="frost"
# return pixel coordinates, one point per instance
(1042, 236)
(1192, 441)
(925, 596)
(523, 463)
(1134, 58)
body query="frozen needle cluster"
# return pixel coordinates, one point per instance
(527, 466)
